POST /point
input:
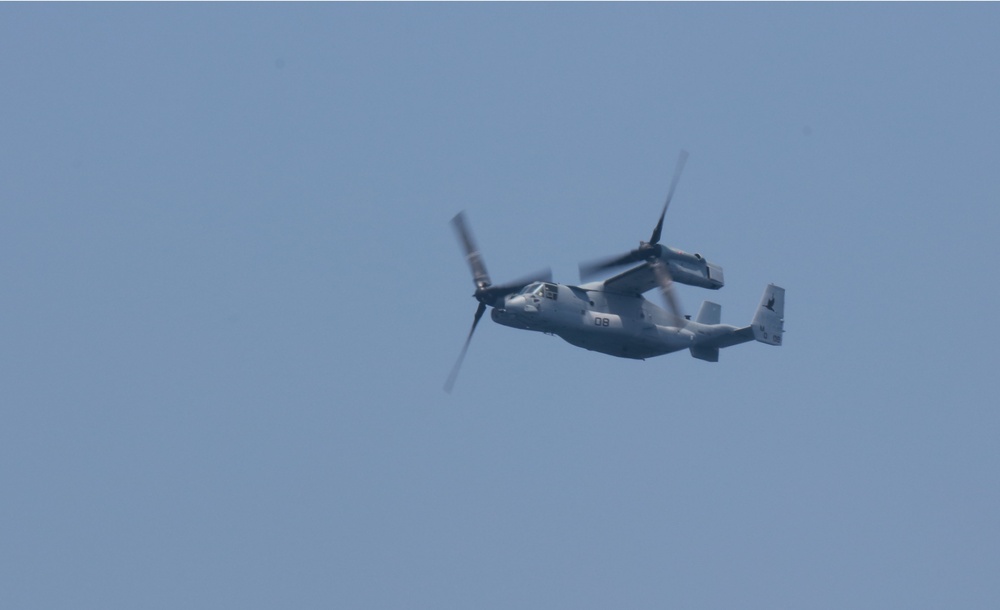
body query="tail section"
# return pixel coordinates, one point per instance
(769, 321)
(767, 327)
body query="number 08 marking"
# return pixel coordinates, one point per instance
(602, 322)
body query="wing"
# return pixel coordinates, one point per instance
(634, 281)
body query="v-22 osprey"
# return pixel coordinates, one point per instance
(612, 316)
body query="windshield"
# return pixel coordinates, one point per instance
(539, 290)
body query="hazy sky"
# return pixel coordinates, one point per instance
(231, 298)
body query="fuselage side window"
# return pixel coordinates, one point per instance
(550, 291)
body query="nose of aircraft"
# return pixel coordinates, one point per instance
(518, 303)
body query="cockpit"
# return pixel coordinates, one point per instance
(530, 288)
(541, 290)
(530, 308)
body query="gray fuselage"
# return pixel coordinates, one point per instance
(627, 326)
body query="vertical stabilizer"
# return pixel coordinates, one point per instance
(710, 313)
(769, 321)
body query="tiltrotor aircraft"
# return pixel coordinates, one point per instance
(612, 316)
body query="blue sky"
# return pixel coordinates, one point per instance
(231, 298)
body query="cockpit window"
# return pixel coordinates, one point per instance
(540, 290)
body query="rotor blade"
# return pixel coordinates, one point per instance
(655, 239)
(588, 270)
(667, 289)
(479, 274)
(493, 292)
(450, 383)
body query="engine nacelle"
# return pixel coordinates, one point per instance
(694, 270)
